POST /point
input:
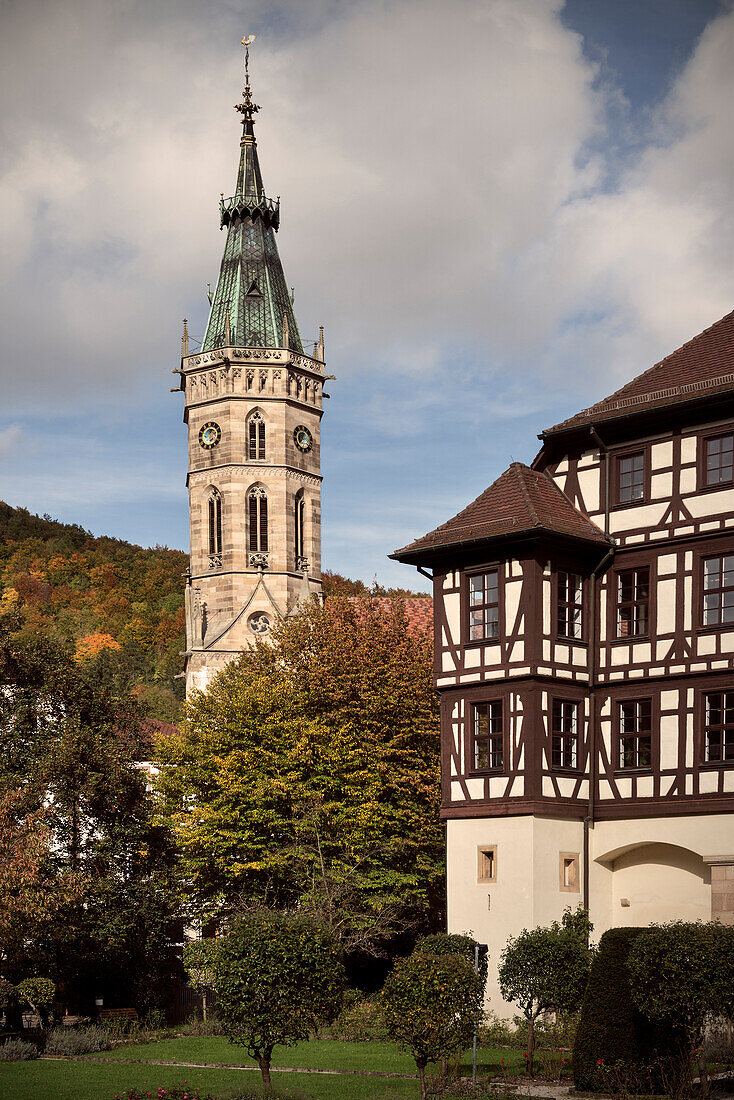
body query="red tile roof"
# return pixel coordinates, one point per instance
(519, 501)
(704, 365)
(418, 609)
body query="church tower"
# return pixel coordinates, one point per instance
(253, 405)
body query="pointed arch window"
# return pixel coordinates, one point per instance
(300, 527)
(257, 504)
(214, 517)
(256, 436)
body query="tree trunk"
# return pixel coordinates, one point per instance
(531, 1044)
(264, 1064)
(203, 1005)
(422, 1078)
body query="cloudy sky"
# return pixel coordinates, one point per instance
(500, 210)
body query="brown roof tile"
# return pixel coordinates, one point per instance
(418, 609)
(704, 365)
(519, 501)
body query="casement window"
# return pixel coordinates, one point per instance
(484, 605)
(565, 728)
(718, 590)
(633, 602)
(257, 504)
(214, 522)
(255, 437)
(487, 864)
(488, 737)
(631, 478)
(570, 605)
(299, 521)
(718, 460)
(635, 733)
(719, 727)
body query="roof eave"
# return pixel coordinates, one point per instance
(408, 556)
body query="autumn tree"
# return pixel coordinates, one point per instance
(547, 969)
(432, 1005)
(278, 978)
(308, 774)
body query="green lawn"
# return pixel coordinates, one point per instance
(96, 1078)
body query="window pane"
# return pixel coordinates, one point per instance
(712, 573)
(481, 754)
(476, 590)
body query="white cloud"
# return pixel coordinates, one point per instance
(10, 437)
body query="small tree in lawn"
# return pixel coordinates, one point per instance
(681, 973)
(198, 961)
(278, 978)
(38, 994)
(432, 1004)
(546, 969)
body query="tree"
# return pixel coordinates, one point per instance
(308, 774)
(681, 973)
(85, 894)
(199, 964)
(547, 969)
(432, 1004)
(278, 977)
(38, 994)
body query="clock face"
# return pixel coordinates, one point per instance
(210, 435)
(303, 438)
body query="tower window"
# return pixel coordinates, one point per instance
(569, 872)
(719, 742)
(214, 508)
(633, 602)
(484, 606)
(488, 747)
(635, 733)
(719, 460)
(299, 519)
(631, 478)
(718, 590)
(570, 605)
(258, 519)
(487, 864)
(565, 733)
(256, 437)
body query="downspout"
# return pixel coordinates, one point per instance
(593, 649)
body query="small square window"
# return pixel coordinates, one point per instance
(569, 872)
(718, 465)
(487, 864)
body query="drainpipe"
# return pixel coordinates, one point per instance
(589, 819)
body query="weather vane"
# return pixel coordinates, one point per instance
(247, 41)
(247, 108)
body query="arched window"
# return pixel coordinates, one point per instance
(256, 436)
(300, 517)
(214, 510)
(257, 503)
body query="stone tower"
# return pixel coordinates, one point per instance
(253, 404)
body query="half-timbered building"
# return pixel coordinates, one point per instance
(584, 645)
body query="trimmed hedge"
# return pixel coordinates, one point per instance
(611, 1029)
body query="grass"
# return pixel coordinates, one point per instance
(96, 1078)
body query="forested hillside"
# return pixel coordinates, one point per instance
(98, 594)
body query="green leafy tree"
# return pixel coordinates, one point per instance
(84, 870)
(308, 774)
(278, 978)
(38, 994)
(432, 1004)
(198, 960)
(681, 973)
(546, 969)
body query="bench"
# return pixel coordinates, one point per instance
(118, 1014)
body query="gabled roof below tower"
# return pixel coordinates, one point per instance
(521, 501)
(703, 366)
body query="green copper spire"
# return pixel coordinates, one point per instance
(251, 306)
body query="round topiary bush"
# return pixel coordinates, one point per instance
(611, 1030)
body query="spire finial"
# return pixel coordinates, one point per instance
(247, 108)
(185, 339)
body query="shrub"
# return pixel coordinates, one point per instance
(195, 1025)
(611, 1029)
(455, 943)
(360, 1021)
(77, 1040)
(170, 1092)
(17, 1050)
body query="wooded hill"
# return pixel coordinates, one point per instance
(99, 594)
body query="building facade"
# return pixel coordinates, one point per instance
(584, 656)
(253, 405)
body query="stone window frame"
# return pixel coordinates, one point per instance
(486, 863)
(569, 861)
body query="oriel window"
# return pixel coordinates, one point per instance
(258, 519)
(488, 739)
(631, 478)
(633, 602)
(719, 727)
(484, 606)
(635, 733)
(565, 733)
(719, 460)
(718, 590)
(570, 605)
